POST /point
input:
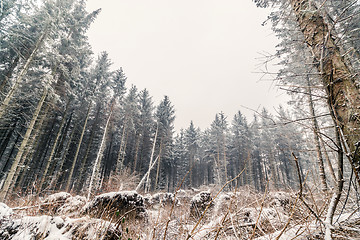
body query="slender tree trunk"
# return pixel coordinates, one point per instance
(68, 183)
(88, 148)
(316, 131)
(338, 189)
(34, 141)
(123, 153)
(273, 171)
(7, 139)
(249, 169)
(10, 177)
(158, 166)
(57, 176)
(146, 175)
(7, 162)
(338, 79)
(39, 160)
(60, 150)
(99, 155)
(120, 158)
(147, 184)
(10, 94)
(218, 164)
(224, 159)
(136, 152)
(108, 160)
(33, 158)
(54, 146)
(331, 169)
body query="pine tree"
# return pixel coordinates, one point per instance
(146, 123)
(191, 138)
(219, 134)
(165, 116)
(240, 149)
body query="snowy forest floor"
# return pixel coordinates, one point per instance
(189, 214)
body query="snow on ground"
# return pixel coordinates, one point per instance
(5, 211)
(108, 216)
(29, 228)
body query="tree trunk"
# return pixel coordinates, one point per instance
(123, 153)
(136, 151)
(54, 147)
(158, 166)
(331, 169)
(82, 169)
(7, 139)
(60, 150)
(67, 188)
(147, 184)
(224, 159)
(11, 175)
(39, 159)
(316, 132)
(337, 77)
(120, 158)
(146, 176)
(338, 189)
(34, 141)
(6, 166)
(57, 176)
(273, 171)
(99, 155)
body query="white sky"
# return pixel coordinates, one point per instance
(203, 54)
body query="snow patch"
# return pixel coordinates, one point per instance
(114, 205)
(5, 211)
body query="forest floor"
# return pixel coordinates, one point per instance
(188, 214)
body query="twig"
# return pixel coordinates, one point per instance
(173, 204)
(262, 206)
(301, 190)
(221, 226)
(347, 196)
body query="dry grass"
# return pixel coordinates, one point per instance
(241, 213)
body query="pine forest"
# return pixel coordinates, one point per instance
(86, 154)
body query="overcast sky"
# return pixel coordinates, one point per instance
(203, 54)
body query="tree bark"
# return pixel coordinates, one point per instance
(338, 79)
(99, 155)
(122, 149)
(331, 169)
(147, 184)
(10, 177)
(6, 141)
(34, 141)
(138, 138)
(68, 183)
(146, 176)
(224, 158)
(316, 131)
(54, 147)
(6, 165)
(88, 148)
(158, 166)
(56, 179)
(338, 189)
